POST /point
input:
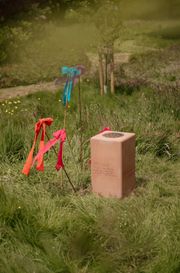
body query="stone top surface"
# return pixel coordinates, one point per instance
(110, 136)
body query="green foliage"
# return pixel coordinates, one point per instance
(104, 15)
(4, 42)
(108, 22)
(15, 35)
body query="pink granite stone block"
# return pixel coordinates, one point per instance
(113, 164)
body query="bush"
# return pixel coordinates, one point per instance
(5, 39)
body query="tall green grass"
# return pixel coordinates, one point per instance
(44, 227)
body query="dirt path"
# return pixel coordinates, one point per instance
(12, 92)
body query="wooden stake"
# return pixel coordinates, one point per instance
(80, 123)
(101, 74)
(112, 72)
(106, 73)
(65, 114)
(67, 175)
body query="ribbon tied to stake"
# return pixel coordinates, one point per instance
(40, 125)
(59, 135)
(72, 74)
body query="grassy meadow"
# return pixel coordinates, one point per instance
(45, 227)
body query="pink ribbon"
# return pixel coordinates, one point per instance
(59, 135)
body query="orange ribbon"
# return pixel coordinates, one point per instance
(41, 124)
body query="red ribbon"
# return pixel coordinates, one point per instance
(41, 124)
(104, 130)
(59, 135)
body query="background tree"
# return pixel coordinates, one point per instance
(105, 15)
(109, 25)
